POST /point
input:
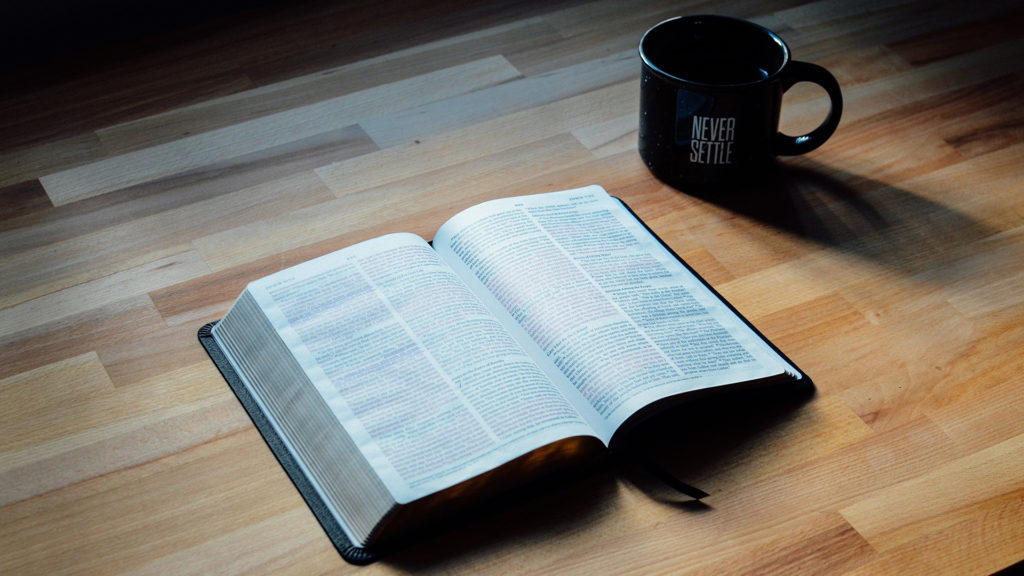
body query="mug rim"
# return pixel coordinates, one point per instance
(740, 21)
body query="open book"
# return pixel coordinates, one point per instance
(395, 378)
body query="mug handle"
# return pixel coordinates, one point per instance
(806, 72)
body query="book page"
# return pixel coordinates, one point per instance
(605, 302)
(428, 384)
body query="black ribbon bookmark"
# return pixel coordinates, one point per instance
(640, 459)
(675, 483)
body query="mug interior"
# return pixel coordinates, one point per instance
(713, 51)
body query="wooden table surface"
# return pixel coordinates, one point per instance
(144, 184)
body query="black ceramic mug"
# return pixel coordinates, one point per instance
(710, 95)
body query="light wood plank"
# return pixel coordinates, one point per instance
(354, 211)
(251, 136)
(984, 418)
(941, 498)
(35, 402)
(114, 513)
(458, 146)
(105, 291)
(83, 332)
(97, 433)
(986, 540)
(88, 257)
(508, 98)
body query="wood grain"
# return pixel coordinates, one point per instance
(143, 185)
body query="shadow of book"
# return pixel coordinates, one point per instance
(688, 441)
(886, 224)
(676, 455)
(555, 504)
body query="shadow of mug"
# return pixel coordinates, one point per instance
(876, 221)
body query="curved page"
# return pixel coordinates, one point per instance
(619, 315)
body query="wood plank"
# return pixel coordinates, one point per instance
(136, 241)
(510, 97)
(36, 401)
(315, 87)
(195, 151)
(610, 137)
(219, 553)
(31, 162)
(985, 418)
(458, 146)
(987, 539)
(353, 211)
(941, 498)
(22, 198)
(114, 513)
(101, 292)
(111, 447)
(81, 333)
(817, 544)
